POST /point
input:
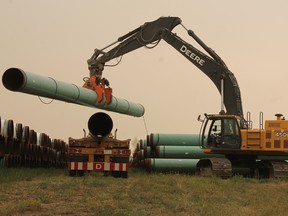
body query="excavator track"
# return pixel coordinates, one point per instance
(219, 167)
(270, 169)
(280, 169)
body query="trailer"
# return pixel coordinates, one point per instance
(109, 155)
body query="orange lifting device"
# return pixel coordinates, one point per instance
(100, 87)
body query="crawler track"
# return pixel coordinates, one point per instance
(219, 167)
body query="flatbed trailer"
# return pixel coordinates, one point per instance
(109, 155)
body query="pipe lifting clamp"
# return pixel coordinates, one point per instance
(100, 87)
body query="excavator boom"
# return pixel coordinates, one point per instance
(151, 33)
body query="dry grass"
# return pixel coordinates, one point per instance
(53, 192)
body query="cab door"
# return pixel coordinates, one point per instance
(221, 132)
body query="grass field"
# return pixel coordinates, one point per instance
(53, 192)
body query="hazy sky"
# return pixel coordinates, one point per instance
(55, 39)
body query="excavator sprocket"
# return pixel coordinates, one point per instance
(280, 169)
(219, 167)
(270, 169)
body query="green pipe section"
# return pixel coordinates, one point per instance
(171, 165)
(147, 152)
(140, 155)
(156, 139)
(196, 152)
(148, 140)
(143, 144)
(15, 79)
(188, 152)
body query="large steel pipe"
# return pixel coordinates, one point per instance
(100, 125)
(15, 79)
(157, 139)
(188, 152)
(171, 165)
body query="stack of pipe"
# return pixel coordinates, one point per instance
(177, 153)
(21, 146)
(169, 153)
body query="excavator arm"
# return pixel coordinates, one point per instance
(144, 35)
(150, 34)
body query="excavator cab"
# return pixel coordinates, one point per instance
(221, 132)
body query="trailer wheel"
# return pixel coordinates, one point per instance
(72, 173)
(81, 173)
(124, 174)
(106, 173)
(116, 174)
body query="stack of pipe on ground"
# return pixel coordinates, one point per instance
(173, 153)
(177, 153)
(21, 146)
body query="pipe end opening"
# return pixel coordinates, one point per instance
(100, 124)
(13, 79)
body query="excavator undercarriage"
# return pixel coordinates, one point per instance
(225, 168)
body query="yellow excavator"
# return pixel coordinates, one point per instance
(227, 132)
